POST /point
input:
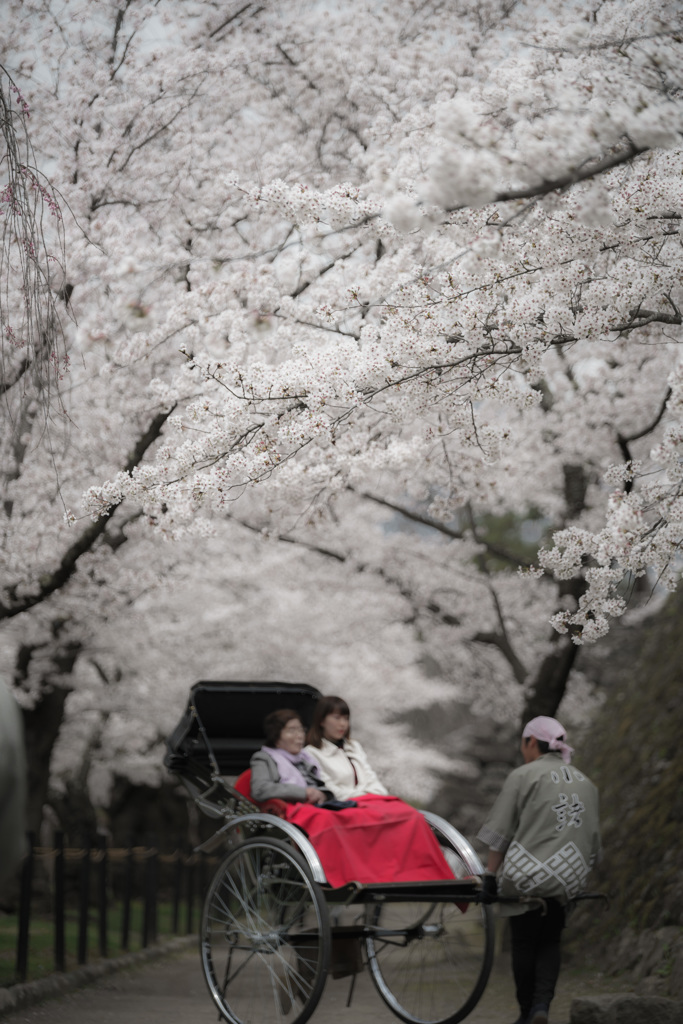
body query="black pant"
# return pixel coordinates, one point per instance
(536, 954)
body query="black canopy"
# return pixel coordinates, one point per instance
(228, 718)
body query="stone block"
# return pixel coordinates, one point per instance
(676, 978)
(626, 1009)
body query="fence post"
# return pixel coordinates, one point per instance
(102, 893)
(190, 894)
(149, 922)
(25, 911)
(127, 895)
(177, 888)
(144, 939)
(83, 900)
(154, 892)
(60, 958)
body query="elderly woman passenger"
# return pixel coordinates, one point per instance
(282, 769)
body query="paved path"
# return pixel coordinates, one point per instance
(172, 991)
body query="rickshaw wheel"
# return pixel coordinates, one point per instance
(265, 936)
(430, 962)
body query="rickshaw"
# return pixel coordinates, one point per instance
(273, 928)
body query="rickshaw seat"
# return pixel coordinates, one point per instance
(273, 806)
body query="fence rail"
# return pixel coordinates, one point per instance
(91, 880)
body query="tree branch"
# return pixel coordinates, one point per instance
(501, 641)
(435, 609)
(643, 317)
(624, 442)
(650, 427)
(287, 539)
(224, 24)
(55, 580)
(20, 370)
(433, 524)
(590, 170)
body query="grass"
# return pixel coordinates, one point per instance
(41, 959)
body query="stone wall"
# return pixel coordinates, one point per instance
(634, 753)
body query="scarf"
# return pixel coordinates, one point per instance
(295, 769)
(551, 732)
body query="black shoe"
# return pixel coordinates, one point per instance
(538, 1015)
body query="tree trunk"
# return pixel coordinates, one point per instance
(550, 682)
(51, 663)
(41, 726)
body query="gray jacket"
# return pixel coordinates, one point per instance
(265, 781)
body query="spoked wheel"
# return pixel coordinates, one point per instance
(265, 937)
(430, 961)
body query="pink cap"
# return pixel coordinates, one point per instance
(551, 732)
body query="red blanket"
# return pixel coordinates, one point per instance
(381, 840)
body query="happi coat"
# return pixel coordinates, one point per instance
(546, 822)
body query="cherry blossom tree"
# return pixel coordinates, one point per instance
(499, 261)
(505, 233)
(59, 585)
(338, 269)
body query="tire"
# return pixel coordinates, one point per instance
(430, 961)
(265, 936)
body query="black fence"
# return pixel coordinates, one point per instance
(118, 891)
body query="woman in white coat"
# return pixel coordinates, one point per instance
(382, 839)
(344, 766)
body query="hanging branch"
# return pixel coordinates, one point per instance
(33, 354)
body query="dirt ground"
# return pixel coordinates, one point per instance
(173, 991)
